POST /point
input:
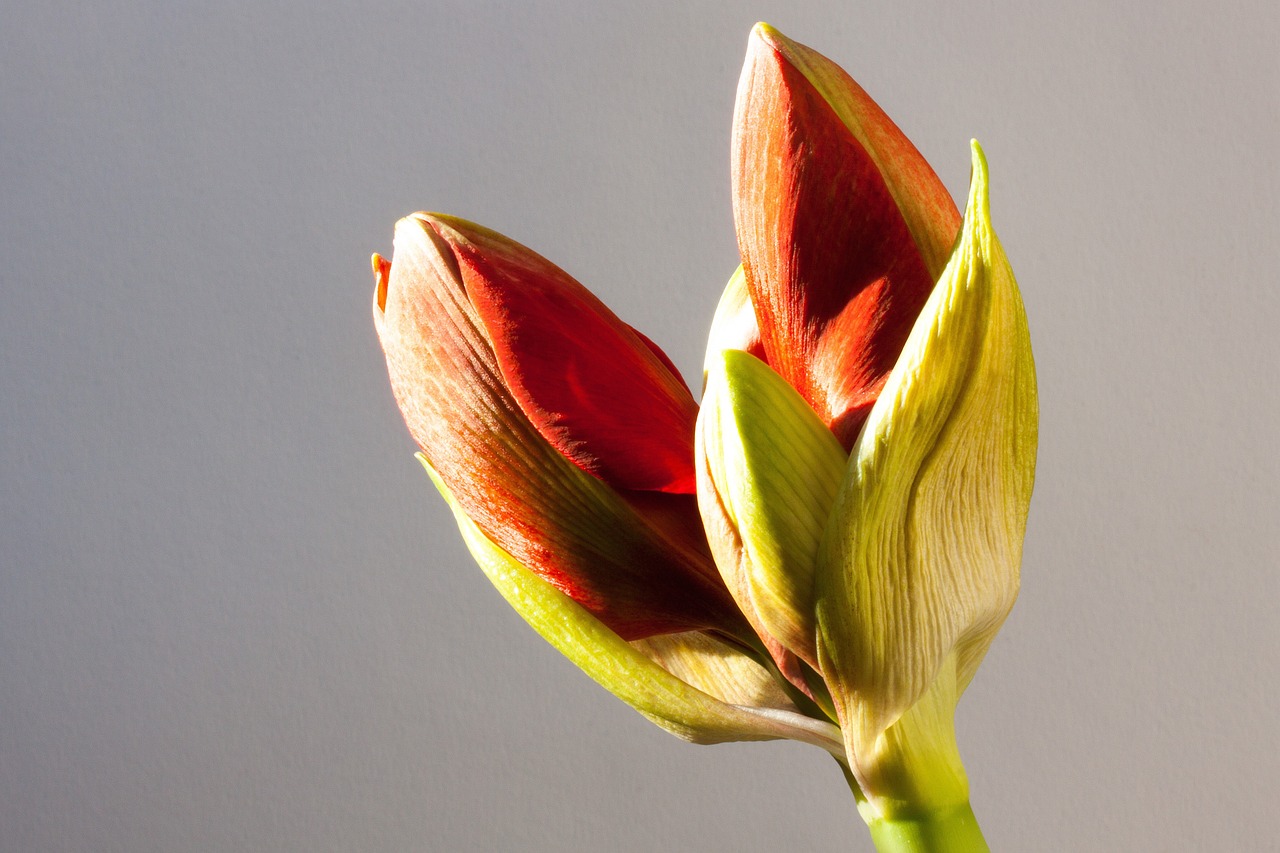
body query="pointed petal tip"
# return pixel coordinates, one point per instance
(441, 225)
(411, 228)
(731, 358)
(767, 33)
(435, 478)
(979, 202)
(765, 36)
(417, 221)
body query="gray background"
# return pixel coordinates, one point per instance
(234, 615)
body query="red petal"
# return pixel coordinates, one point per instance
(663, 358)
(627, 563)
(600, 393)
(833, 270)
(927, 208)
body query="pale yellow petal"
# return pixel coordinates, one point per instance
(716, 668)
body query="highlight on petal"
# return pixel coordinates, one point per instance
(773, 472)
(601, 394)
(734, 325)
(624, 670)
(632, 562)
(920, 562)
(832, 267)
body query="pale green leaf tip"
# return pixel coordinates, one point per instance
(979, 202)
(741, 372)
(422, 460)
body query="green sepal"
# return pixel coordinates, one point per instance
(774, 470)
(919, 565)
(619, 667)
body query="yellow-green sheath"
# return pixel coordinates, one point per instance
(954, 831)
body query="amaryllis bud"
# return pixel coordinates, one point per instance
(564, 434)
(889, 573)
(841, 223)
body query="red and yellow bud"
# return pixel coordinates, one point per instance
(889, 573)
(839, 254)
(864, 453)
(566, 436)
(920, 562)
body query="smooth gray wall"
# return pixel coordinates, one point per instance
(235, 616)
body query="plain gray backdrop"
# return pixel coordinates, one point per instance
(234, 614)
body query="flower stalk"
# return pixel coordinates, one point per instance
(952, 831)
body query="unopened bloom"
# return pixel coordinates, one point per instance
(866, 456)
(561, 431)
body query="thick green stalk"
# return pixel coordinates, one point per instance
(953, 831)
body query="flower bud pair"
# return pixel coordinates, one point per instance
(862, 460)
(864, 477)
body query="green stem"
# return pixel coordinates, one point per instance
(953, 831)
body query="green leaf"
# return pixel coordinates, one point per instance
(920, 563)
(624, 670)
(770, 468)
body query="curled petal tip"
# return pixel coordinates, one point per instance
(381, 276)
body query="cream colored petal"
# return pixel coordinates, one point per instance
(921, 559)
(625, 671)
(716, 668)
